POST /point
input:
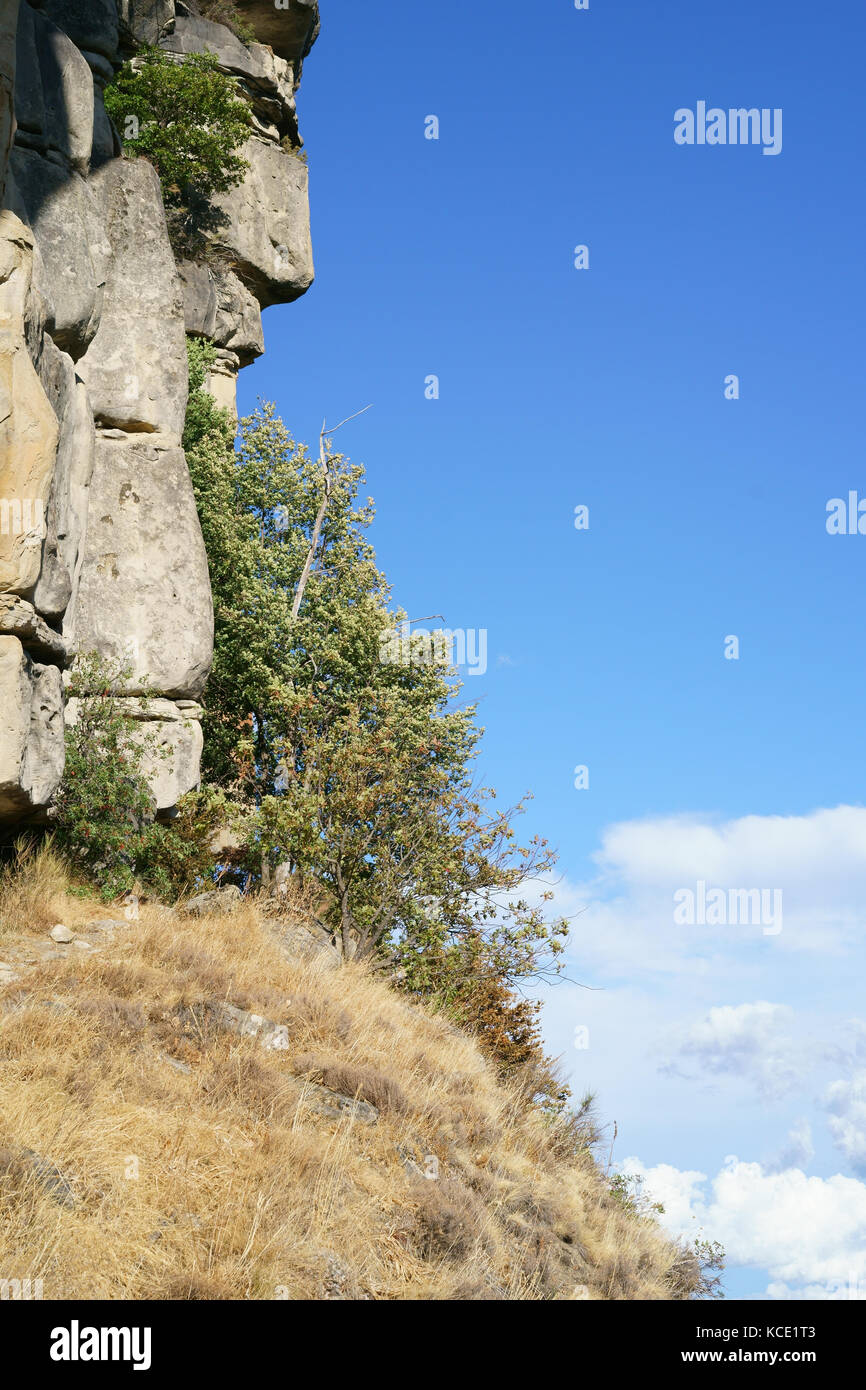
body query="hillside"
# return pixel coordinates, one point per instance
(156, 1143)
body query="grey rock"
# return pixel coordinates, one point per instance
(51, 1179)
(29, 102)
(144, 21)
(238, 318)
(192, 34)
(290, 31)
(219, 902)
(29, 426)
(135, 369)
(299, 940)
(273, 1036)
(218, 306)
(61, 934)
(67, 94)
(267, 227)
(144, 594)
(330, 1103)
(171, 742)
(20, 619)
(91, 24)
(106, 141)
(224, 842)
(66, 220)
(32, 753)
(199, 298)
(183, 1067)
(66, 516)
(172, 762)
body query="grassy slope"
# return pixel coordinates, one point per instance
(222, 1182)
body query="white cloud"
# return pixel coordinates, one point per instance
(746, 1040)
(817, 862)
(845, 1103)
(806, 1231)
(798, 1150)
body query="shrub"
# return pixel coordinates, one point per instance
(103, 809)
(187, 119)
(226, 12)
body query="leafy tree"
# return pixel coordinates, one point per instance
(358, 770)
(185, 117)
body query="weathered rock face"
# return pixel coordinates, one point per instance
(144, 594)
(100, 544)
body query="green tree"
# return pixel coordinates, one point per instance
(185, 117)
(359, 768)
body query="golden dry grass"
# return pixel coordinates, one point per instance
(220, 1182)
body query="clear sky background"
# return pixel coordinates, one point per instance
(733, 1062)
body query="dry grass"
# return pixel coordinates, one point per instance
(218, 1181)
(33, 891)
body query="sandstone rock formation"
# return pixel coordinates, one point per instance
(100, 544)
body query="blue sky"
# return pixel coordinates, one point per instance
(605, 387)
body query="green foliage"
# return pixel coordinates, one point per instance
(188, 120)
(104, 809)
(178, 859)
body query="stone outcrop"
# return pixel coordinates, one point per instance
(100, 544)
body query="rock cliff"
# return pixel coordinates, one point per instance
(100, 544)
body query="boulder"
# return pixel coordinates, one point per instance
(219, 902)
(66, 519)
(218, 306)
(173, 740)
(238, 319)
(28, 427)
(41, 642)
(66, 221)
(199, 298)
(31, 731)
(67, 95)
(144, 21)
(144, 596)
(266, 231)
(135, 369)
(290, 30)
